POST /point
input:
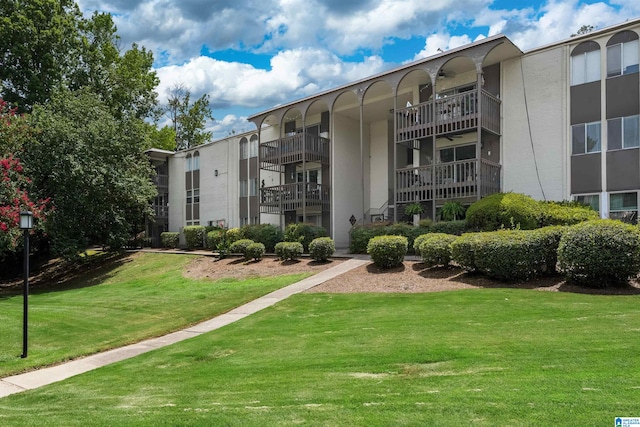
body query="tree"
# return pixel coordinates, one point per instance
(93, 167)
(39, 43)
(585, 29)
(188, 119)
(164, 138)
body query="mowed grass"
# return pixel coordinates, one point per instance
(490, 357)
(136, 297)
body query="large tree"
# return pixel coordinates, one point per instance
(91, 163)
(188, 118)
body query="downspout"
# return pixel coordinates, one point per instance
(395, 157)
(479, 136)
(433, 149)
(304, 170)
(362, 155)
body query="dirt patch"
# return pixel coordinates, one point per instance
(238, 268)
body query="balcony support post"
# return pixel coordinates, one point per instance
(395, 159)
(479, 132)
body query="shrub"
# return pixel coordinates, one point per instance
(412, 233)
(425, 223)
(449, 227)
(360, 235)
(504, 210)
(413, 209)
(599, 253)
(321, 248)
(418, 241)
(240, 246)
(170, 239)
(214, 238)
(452, 211)
(254, 251)
(233, 234)
(549, 243)
(267, 234)
(562, 213)
(194, 236)
(387, 251)
(303, 233)
(289, 250)
(436, 249)
(462, 251)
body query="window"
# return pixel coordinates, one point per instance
(189, 197)
(622, 54)
(624, 206)
(592, 200)
(253, 187)
(585, 63)
(196, 195)
(189, 163)
(585, 138)
(253, 146)
(623, 132)
(454, 154)
(243, 188)
(244, 153)
(196, 161)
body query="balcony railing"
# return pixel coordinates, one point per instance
(453, 114)
(161, 211)
(294, 149)
(292, 197)
(161, 181)
(455, 180)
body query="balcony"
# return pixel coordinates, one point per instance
(292, 197)
(455, 180)
(453, 114)
(160, 211)
(161, 182)
(294, 149)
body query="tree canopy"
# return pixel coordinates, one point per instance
(188, 118)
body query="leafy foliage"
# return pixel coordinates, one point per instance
(233, 234)
(387, 251)
(599, 253)
(321, 248)
(194, 236)
(504, 210)
(254, 251)
(240, 246)
(289, 251)
(267, 234)
(449, 227)
(189, 118)
(435, 249)
(558, 213)
(170, 239)
(452, 211)
(303, 233)
(214, 238)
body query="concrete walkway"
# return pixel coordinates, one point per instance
(41, 377)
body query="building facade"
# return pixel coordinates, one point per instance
(557, 122)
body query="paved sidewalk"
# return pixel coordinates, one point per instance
(41, 377)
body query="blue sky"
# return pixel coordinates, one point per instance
(250, 55)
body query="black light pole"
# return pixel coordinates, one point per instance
(26, 223)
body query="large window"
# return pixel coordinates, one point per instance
(622, 54)
(624, 206)
(196, 161)
(623, 132)
(244, 149)
(454, 154)
(189, 163)
(253, 146)
(253, 187)
(592, 200)
(585, 138)
(585, 63)
(243, 188)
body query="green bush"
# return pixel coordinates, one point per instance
(463, 251)
(436, 249)
(549, 243)
(504, 210)
(418, 241)
(233, 234)
(321, 248)
(411, 233)
(452, 211)
(240, 246)
(254, 251)
(449, 227)
(562, 213)
(360, 235)
(289, 250)
(194, 236)
(387, 251)
(214, 238)
(599, 253)
(425, 223)
(267, 234)
(303, 233)
(170, 239)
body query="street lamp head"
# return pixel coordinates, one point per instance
(26, 220)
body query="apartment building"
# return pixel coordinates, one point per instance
(557, 122)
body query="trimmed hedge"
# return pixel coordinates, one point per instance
(303, 233)
(387, 251)
(463, 251)
(233, 234)
(361, 234)
(267, 234)
(240, 246)
(504, 210)
(321, 248)
(435, 249)
(289, 250)
(418, 241)
(194, 236)
(170, 239)
(449, 227)
(562, 213)
(254, 251)
(214, 238)
(599, 253)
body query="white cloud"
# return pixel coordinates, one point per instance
(441, 42)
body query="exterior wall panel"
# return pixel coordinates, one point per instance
(623, 170)
(585, 103)
(586, 173)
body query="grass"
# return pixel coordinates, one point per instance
(482, 357)
(137, 297)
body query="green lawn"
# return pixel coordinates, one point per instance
(491, 357)
(137, 297)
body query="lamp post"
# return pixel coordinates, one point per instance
(26, 224)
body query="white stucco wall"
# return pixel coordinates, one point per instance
(378, 161)
(546, 76)
(346, 189)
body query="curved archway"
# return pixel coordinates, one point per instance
(622, 54)
(585, 63)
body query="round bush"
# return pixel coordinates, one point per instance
(600, 253)
(254, 251)
(170, 239)
(504, 210)
(240, 246)
(233, 234)
(388, 251)
(267, 234)
(360, 235)
(418, 241)
(194, 236)
(289, 250)
(214, 238)
(321, 248)
(436, 249)
(303, 233)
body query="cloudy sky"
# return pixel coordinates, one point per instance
(250, 55)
